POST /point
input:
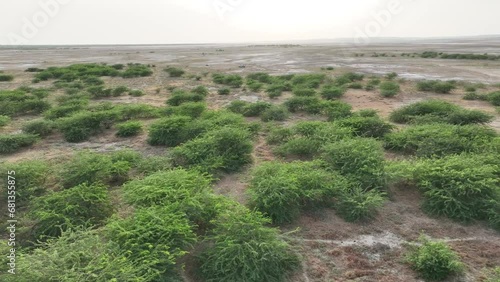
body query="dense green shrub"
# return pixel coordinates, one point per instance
(260, 77)
(6, 77)
(125, 112)
(303, 92)
(13, 142)
(310, 105)
(282, 190)
(274, 113)
(63, 111)
(391, 75)
(438, 111)
(119, 90)
(190, 109)
(226, 149)
(179, 97)
(366, 126)
(434, 260)
(359, 159)
(232, 80)
(248, 109)
(82, 125)
(201, 90)
(136, 70)
(129, 128)
(335, 110)
(461, 187)
(136, 93)
(254, 86)
(157, 236)
(83, 205)
(312, 80)
(389, 89)
(31, 178)
(78, 255)
(275, 90)
(151, 164)
(4, 120)
(440, 139)
(242, 248)
(76, 71)
(299, 146)
(174, 72)
(494, 98)
(169, 131)
(355, 85)
(435, 86)
(355, 203)
(41, 128)
(224, 91)
(332, 92)
(19, 102)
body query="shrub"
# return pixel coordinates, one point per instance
(281, 190)
(355, 85)
(332, 92)
(275, 90)
(20, 102)
(190, 109)
(494, 98)
(232, 80)
(174, 72)
(391, 75)
(440, 139)
(168, 131)
(169, 236)
(201, 90)
(359, 159)
(6, 77)
(355, 203)
(389, 89)
(79, 255)
(274, 113)
(119, 90)
(366, 126)
(136, 70)
(312, 80)
(80, 126)
(435, 86)
(135, 111)
(471, 96)
(136, 93)
(14, 142)
(4, 120)
(434, 260)
(254, 85)
(41, 128)
(130, 128)
(63, 111)
(301, 146)
(83, 205)
(335, 110)
(31, 177)
(224, 91)
(152, 164)
(242, 248)
(226, 149)
(260, 77)
(303, 92)
(179, 97)
(254, 109)
(310, 105)
(438, 111)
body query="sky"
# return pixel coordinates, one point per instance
(65, 22)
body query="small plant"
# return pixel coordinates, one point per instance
(82, 125)
(14, 142)
(41, 128)
(336, 110)
(366, 126)
(329, 68)
(4, 120)
(435, 86)
(310, 105)
(254, 86)
(434, 260)
(275, 90)
(119, 90)
(355, 203)
(32, 176)
(6, 77)
(494, 98)
(136, 93)
(232, 80)
(355, 85)
(303, 92)
(332, 92)
(168, 131)
(179, 97)
(224, 91)
(391, 75)
(201, 90)
(174, 72)
(389, 89)
(274, 113)
(190, 109)
(130, 128)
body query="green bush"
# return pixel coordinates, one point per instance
(252, 109)
(275, 90)
(242, 248)
(76, 71)
(461, 187)
(157, 236)
(78, 255)
(83, 205)
(20, 102)
(310, 105)
(282, 190)
(274, 113)
(303, 92)
(174, 72)
(224, 91)
(201, 90)
(254, 85)
(335, 110)
(63, 111)
(179, 97)
(152, 164)
(440, 139)
(494, 98)
(358, 159)
(4, 120)
(129, 128)
(6, 77)
(226, 149)
(41, 128)
(355, 85)
(136, 70)
(31, 178)
(169, 131)
(431, 111)
(232, 80)
(119, 90)
(190, 109)
(14, 142)
(313, 80)
(300, 146)
(332, 92)
(366, 126)
(355, 203)
(136, 93)
(389, 89)
(434, 260)
(391, 75)
(435, 86)
(82, 125)
(260, 77)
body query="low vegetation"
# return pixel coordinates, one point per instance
(11, 143)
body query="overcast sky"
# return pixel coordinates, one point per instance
(228, 21)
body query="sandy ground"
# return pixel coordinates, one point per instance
(332, 249)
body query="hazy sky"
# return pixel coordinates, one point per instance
(226, 21)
